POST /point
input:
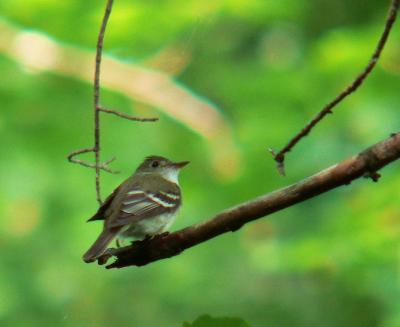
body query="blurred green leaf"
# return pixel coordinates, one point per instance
(208, 321)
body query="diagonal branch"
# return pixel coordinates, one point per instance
(126, 116)
(97, 109)
(366, 164)
(391, 18)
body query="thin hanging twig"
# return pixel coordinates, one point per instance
(96, 91)
(98, 166)
(391, 18)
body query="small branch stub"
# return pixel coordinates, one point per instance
(280, 161)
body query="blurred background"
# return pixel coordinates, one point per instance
(228, 79)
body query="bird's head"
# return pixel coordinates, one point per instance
(162, 166)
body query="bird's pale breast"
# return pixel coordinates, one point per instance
(148, 227)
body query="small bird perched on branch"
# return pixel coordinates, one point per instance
(144, 205)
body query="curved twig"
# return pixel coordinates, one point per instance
(367, 163)
(391, 18)
(103, 166)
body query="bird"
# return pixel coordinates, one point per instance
(144, 205)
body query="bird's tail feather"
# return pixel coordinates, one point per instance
(99, 246)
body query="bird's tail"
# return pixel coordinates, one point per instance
(99, 246)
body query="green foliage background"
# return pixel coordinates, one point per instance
(269, 66)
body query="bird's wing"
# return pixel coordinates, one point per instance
(138, 204)
(101, 212)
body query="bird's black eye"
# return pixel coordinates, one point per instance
(155, 164)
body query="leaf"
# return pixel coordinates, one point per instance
(208, 321)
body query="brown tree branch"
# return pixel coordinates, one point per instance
(367, 163)
(97, 109)
(391, 18)
(126, 116)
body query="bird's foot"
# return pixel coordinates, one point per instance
(101, 260)
(118, 243)
(148, 238)
(144, 240)
(161, 235)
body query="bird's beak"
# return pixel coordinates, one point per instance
(179, 165)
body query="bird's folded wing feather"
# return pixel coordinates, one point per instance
(138, 204)
(101, 212)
